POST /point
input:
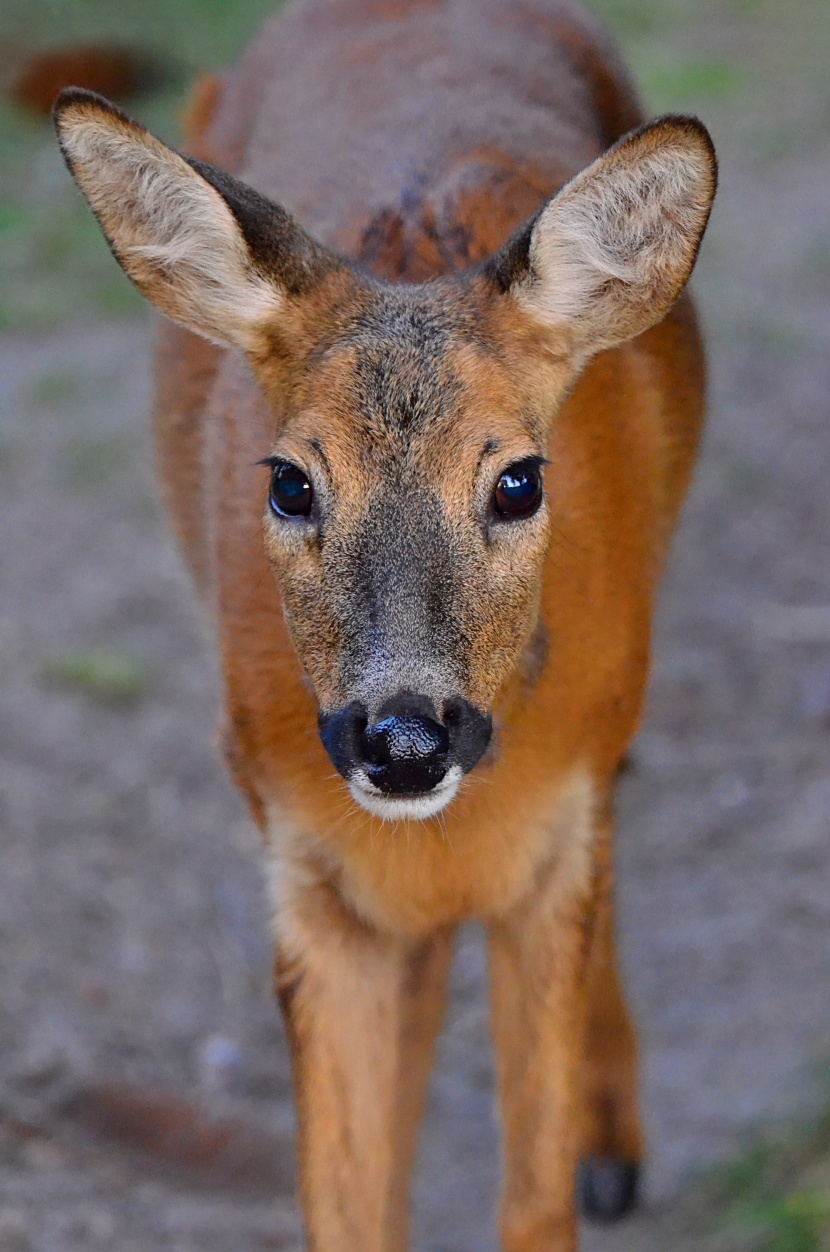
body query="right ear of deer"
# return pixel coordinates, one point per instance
(209, 251)
(607, 257)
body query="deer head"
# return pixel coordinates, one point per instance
(406, 518)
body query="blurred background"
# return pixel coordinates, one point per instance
(144, 1083)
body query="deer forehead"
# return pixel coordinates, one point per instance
(420, 386)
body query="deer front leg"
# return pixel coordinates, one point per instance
(538, 959)
(424, 994)
(612, 1140)
(341, 985)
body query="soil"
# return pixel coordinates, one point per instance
(145, 1097)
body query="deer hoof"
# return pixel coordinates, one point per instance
(607, 1188)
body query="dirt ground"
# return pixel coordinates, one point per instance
(135, 964)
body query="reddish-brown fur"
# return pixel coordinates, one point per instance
(113, 71)
(416, 136)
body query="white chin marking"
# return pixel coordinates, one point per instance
(401, 808)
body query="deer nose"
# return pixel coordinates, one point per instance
(406, 750)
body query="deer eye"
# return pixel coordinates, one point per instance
(291, 494)
(518, 493)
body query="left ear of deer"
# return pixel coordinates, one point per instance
(206, 249)
(608, 256)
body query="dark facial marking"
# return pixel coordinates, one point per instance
(405, 341)
(511, 265)
(402, 376)
(278, 245)
(536, 656)
(404, 572)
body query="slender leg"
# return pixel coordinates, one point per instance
(341, 987)
(423, 1009)
(539, 957)
(612, 1143)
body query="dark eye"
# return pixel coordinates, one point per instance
(291, 494)
(518, 492)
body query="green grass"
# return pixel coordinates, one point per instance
(775, 336)
(57, 387)
(54, 263)
(676, 82)
(743, 479)
(777, 1215)
(198, 33)
(794, 1223)
(754, 69)
(9, 452)
(776, 1196)
(88, 462)
(104, 677)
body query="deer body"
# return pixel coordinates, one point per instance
(415, 139)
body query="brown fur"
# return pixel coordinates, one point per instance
(417, 138)
(113, 71)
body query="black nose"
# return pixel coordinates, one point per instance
(409, 747)
(405, 750)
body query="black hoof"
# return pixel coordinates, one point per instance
(607, 1188)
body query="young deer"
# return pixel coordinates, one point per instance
(478, 397)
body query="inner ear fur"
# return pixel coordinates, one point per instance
(608, 256)
(206, 249)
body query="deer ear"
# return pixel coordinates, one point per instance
(608, 256)
(207, 250)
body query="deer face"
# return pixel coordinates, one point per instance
(406, 518)
(407, 526)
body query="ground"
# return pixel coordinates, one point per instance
(144, 1082)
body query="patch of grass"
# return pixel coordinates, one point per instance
(815, 267)
(53, 262)
(632, 17)
(9, 451)
(773, 335)
(107, 678)
(57, 387)
(202, 33)
(12, 217)
(118, 296)
(689, 82)
(88, 461)
(776, 1196)
(794, 1223)
(745, 479)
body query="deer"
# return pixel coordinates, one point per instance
(428, 398)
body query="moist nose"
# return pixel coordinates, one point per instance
(406, 750)
(397, 739)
